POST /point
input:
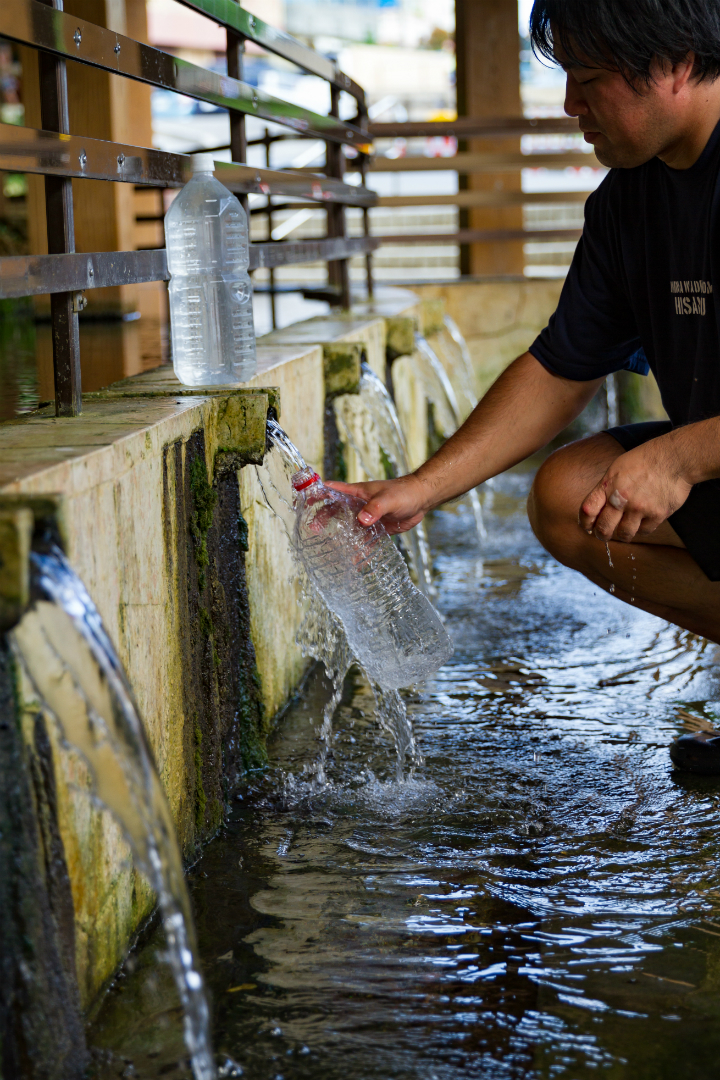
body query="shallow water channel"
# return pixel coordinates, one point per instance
(539, 898)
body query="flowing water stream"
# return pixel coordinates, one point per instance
(65, 651)
(447, 414)
(536, 898)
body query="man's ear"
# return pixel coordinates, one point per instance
(683, 72)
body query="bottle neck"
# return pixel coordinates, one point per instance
(306, 480)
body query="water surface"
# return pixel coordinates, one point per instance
(539, 898)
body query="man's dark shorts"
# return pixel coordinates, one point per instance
(697, 522)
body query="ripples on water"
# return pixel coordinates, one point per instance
(539, 898)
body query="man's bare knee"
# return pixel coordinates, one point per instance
(549, 504)
(562, 482)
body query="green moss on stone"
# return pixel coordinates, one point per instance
(216, 816)
(200, 796)
(342, 471)
(243, 534)
(205, 621)
(204, 500)
(253, 746)
(388, 467)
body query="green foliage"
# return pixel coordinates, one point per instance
(15, 186)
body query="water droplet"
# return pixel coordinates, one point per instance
(612, 588)
(607, 548)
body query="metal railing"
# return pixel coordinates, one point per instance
(61, 157)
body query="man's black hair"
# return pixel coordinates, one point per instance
(627, 35)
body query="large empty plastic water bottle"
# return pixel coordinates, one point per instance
(211, 314)
(393, 630)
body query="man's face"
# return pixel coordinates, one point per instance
(627, 127)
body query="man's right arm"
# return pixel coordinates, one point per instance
(526, 408)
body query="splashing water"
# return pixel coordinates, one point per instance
(448, 418)
(380, 421)
(322, 637)
(63, 646)
(394, 720)
(321, 634)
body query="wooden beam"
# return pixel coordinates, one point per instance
(480, 163)
(488, 87)
(476, 127)
(487, 199)
(482, 236)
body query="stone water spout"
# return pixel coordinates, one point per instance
(56, 647)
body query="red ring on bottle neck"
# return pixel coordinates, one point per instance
(306, 483)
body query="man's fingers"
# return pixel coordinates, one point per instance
(403, 526)
(360, 491)
(394, 502)
(606, 523)
(591, 508)
(377, 508)
(628, 528)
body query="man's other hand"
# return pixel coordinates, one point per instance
(398, 504)
(640, 490)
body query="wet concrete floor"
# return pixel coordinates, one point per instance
(539, 898)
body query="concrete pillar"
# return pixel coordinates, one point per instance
(488, 85)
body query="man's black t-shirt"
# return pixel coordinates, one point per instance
(644, 285)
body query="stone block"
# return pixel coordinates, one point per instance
(239, 421)
(401, 330)
(368, 331)
(432, 315)
(342, 362)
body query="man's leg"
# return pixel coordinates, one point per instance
(654, 572)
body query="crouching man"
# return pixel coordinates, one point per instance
(643, 293)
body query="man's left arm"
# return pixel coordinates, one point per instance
(644, 486)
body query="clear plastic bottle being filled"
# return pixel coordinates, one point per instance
(211, 304)
(392, 629)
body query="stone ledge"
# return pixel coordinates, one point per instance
(332, 330)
